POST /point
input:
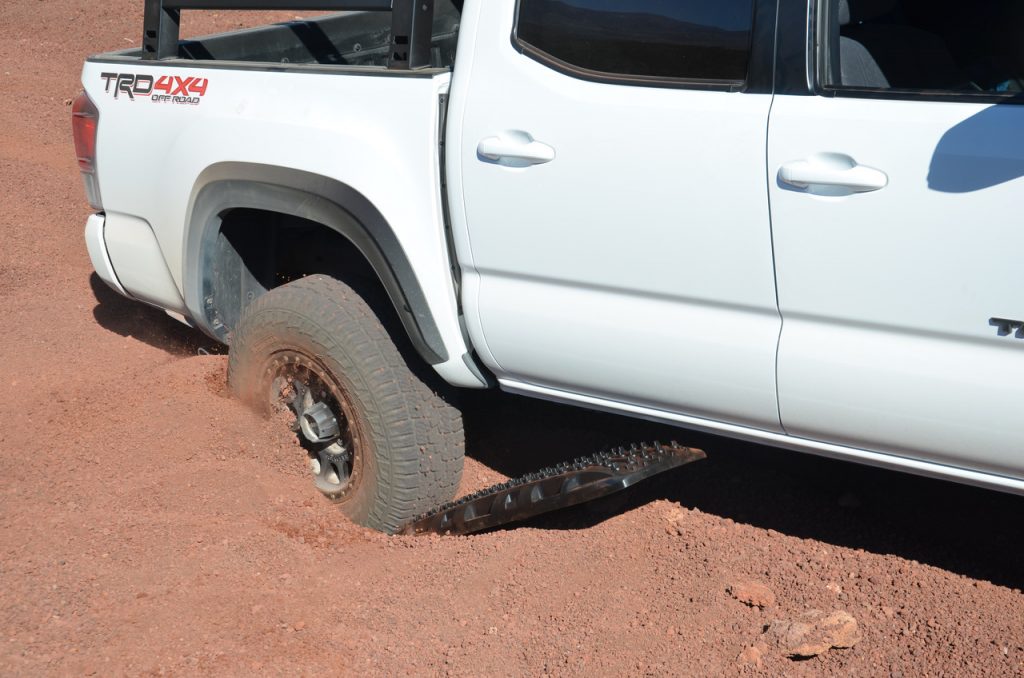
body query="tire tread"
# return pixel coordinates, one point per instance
(418, 434)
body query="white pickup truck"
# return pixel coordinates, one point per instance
(785, 221)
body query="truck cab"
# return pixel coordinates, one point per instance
(778, 216)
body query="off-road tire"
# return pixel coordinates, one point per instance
(413, 447)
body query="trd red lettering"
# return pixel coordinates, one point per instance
(163, 84)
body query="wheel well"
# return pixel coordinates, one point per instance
(257, 250)
(243, 232)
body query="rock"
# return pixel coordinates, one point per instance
(675, 523)
(752, 594)
(752, 655)
(814, 633)
(842, 628)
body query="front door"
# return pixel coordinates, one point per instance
(896, 201)
(612, 175)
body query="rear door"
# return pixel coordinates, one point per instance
(612, 177)
(896, 196)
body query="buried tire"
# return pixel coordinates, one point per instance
(381, 442)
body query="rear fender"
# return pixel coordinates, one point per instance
(228, 186)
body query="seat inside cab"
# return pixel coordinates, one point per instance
(924, 45)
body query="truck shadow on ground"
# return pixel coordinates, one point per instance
(146, 324)
(965, 530)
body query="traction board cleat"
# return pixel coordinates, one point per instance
(550, 489)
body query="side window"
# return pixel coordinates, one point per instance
(942, 47)
(700, 40)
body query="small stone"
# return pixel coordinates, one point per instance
(675, 523)
(842, 630)
(299, 625)
(752, 594)
(834, 587)
(815, 632)
(751, 655)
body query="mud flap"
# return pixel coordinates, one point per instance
(554, 488)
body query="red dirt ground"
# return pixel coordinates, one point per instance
(151, 526)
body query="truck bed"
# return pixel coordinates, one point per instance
(341, 39)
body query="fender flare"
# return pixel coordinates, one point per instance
(338, 206)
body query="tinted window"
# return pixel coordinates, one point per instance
(946, 46)
(687, 39)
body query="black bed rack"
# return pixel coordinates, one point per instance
(411, 24)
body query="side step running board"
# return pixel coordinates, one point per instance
(569, 484)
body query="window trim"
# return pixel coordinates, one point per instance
(582, 73)
(817, 50)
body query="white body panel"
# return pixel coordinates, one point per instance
(633, 261)
(372, 133)
(140, 266)
(887, 295)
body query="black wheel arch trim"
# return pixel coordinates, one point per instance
(338, 206)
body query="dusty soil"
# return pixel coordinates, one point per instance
(149, 525)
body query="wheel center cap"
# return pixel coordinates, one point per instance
(318, 424)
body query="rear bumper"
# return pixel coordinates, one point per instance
(97, 247)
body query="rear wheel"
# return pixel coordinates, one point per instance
(379, 440)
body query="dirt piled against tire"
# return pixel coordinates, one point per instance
(151, 525)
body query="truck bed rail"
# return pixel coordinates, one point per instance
(411, 24)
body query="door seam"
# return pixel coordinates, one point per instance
(771, 221)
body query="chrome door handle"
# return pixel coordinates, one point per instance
(514, 149)
(832, 174)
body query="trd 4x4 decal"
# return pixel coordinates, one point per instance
(167, 89)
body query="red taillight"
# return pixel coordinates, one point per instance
(85, 121)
